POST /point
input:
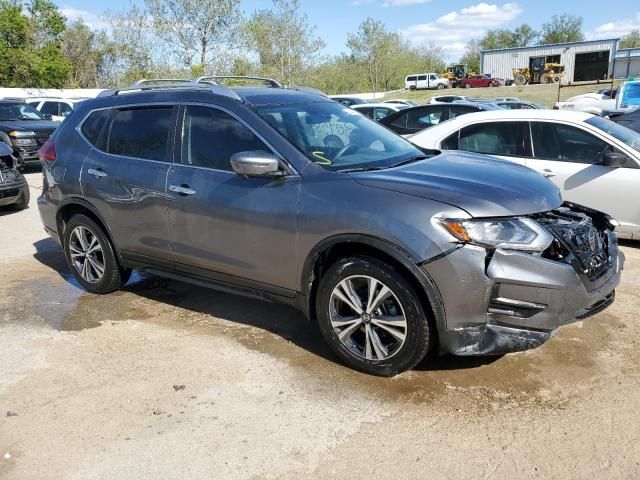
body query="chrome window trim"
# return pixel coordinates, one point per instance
(78, 129)
(178, 134)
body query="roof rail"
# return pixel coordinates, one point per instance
(207, 79)
(156, 81)
(167, 84)
(311, 90)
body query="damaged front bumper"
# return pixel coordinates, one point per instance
(502, 301)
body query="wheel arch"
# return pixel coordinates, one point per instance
(332, 249)
(74, 206)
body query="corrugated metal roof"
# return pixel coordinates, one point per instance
(550, 45)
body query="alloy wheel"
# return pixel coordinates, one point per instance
(86, 254)
(367, 318)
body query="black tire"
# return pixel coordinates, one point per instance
(114, 276)
(23, 203)
(440, 86)
(467, 85)
(412, 88)
(419, 335)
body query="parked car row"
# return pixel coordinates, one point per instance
(394, 249)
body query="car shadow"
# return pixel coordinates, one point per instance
(628, 243)
(276, 318)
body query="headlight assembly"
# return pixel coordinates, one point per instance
(508, 233)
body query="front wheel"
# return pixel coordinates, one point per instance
(467, 85)
(440, 86)
(91, 256)
(371, 317)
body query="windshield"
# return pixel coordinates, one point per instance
(339, 138)
(624, 134)
(19, 111)
(630, 94)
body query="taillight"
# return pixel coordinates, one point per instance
(48, 151)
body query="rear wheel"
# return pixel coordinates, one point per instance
(412, 87)
(371, 317)
(440, 86)
(91, 257)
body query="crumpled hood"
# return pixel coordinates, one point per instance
(483, 186)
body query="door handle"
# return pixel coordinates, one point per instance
(98, 173)
(548, 173)
(182, 189)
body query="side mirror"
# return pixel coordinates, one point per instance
(256, 163)
(615, 159)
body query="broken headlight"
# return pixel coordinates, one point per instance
(508, 233)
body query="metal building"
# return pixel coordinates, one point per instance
(583, 61)
(627, 63)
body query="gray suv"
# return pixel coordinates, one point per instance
(286, 194)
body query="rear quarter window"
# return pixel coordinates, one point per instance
(94, 128)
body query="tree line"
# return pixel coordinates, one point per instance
(187, 38)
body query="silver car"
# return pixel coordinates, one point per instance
(273, 192)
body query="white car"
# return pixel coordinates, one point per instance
(627, 97)
(594, 161)
(448, 98)
(402, 101)
(378, 111)
(417, 81)
(57, 107)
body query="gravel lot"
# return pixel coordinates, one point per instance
(166, 380)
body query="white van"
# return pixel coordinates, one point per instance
(416, 81)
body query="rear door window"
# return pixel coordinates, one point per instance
(368, 111)
(422, 118)
(49, 108)
(422, 78)
(495, 138)
(457, 110)
(141, 132)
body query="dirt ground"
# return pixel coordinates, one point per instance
(545, 95)
(165, 380)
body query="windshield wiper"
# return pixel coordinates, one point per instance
(410, 160)
(360, 169)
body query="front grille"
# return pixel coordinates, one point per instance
(579, 238)
(42, 136)
(9, 193)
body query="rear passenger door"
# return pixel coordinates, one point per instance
(507, 140)
(124, 176)
(226, 227)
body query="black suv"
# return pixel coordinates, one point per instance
(287, 194)
(25, 130)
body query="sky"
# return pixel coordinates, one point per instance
(448, 23)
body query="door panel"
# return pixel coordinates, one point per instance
(243, 227)
(572, 159)
(130, 193)
(131, 198)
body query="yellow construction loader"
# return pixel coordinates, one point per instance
(547, 73)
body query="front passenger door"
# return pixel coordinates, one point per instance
(224, 226)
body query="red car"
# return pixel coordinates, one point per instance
(481, 81)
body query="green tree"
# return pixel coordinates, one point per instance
(471, 55)
(562, 28)
(194, 29)
(631, 40)
(30, 57)
(284, 40)
(524, 36)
